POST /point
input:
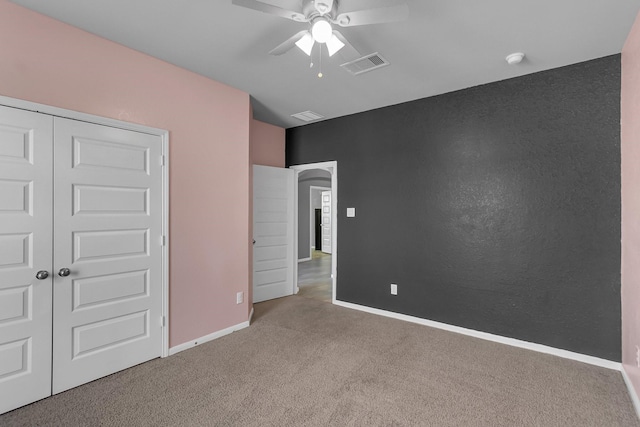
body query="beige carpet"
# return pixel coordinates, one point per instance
(309, 363)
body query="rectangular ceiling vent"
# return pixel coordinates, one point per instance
(365, 64)
(307, 116)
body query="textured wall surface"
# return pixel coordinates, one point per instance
(495, 208)
(631, 204)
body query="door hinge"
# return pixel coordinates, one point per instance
(163, 240)
(162, 160)
(163, 321)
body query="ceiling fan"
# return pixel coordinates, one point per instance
(322, 15)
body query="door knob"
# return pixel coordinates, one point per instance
(64, 272)
(42, 274)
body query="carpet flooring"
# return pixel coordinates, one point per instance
(304, 362)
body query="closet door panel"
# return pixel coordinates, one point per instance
(108, 225)
(25, 248)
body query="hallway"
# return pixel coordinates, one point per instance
(314, 277)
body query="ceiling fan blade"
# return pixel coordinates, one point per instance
(294, 15)
(288, 44)
(348, 52)
(373, 16)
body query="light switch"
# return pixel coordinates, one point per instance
(351, 212)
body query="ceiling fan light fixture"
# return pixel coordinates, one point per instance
(306, 43)
(321, 31)
(334, 44)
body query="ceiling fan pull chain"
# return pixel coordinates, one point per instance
(320, 64)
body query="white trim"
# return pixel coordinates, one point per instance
(210, 337)
(632, 391)
(295, 289)
(304, 259)
(312, 217)
(603, 363)
(165, 247)
(332, 168)
(164, 135)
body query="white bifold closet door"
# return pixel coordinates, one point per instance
(83, 203)
(108, 233)
(26, 166)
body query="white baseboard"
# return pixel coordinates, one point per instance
(251, 315)
(632, 391)
(489, 337)
(210, 337)
(304, 259)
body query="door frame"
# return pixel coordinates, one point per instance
(332, 168)
(164, 135)
(311, 218)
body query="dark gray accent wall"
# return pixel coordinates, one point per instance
(494, 208)
(306, 179)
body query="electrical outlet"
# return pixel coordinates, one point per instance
(394, 289)
(239, 297)
(637, 357)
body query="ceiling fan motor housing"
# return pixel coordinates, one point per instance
(315, 8)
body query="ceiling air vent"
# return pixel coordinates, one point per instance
(366, 63)
(307, 116)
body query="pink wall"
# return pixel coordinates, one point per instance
(267, 144)
(46, 61)
(630, 149)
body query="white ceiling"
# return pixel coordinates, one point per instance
(444, 46)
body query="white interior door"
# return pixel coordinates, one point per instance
(273, 231)
(326, 222)
(25, 249)
(108, 233)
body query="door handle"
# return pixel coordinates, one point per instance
(42, 274)
(64, 272)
